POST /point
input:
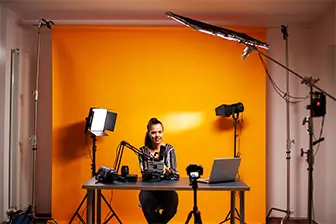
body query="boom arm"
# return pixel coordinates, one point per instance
(121, 151)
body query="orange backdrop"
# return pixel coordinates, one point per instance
(173, 73)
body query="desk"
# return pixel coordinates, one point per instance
(181, 185)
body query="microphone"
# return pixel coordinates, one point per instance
(247, 51)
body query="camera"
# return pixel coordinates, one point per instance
(194, 171)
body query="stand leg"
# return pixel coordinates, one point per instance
(76, 212)
(111, 209)
(195, 212)
(231, 216)
(197, 217)
(189, 217)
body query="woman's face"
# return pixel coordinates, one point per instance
(156, 133)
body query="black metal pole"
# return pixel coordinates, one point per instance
(310, 159)
(94, 149)
(235, 118)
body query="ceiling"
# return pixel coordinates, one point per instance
(228, 12)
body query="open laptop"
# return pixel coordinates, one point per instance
(223, 170)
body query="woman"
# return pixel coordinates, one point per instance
(151, 201)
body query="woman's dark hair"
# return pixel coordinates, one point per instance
(152, 121)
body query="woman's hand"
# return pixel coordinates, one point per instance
(166, 170)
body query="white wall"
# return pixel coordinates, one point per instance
(44, 127)
(13, 36)
(311, 53)
(323, 64)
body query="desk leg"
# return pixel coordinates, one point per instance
(98, 212)
(233, 207)
(242, 207)
(89, 207)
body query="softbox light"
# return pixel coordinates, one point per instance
(228, 110)
(99, 120)
(239, 37)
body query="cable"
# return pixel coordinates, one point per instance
(277, 89)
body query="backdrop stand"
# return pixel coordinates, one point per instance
(289, 141)
(32, 208)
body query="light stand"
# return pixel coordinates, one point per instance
(235, 117)
(98, 121)
(194, 212)
(289, 141)
(310, 82)
(251, 45)
(93, 174)
(32, 209)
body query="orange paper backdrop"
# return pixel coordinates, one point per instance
(175, 74)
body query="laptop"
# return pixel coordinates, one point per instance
(223, 170)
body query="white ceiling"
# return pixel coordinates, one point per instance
(236, 12)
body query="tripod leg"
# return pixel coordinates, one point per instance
(113, 212)
(226, 218)
(76, 212)
(189, 217)
(198, 219)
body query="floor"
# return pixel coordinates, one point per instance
(291, 221)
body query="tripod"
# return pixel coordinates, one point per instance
(32, 209)
(289, 141)
(235, 117)
(99, 194)
(195, 211)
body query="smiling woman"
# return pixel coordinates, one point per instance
(152, 201)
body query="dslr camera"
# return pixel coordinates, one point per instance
(194, 171)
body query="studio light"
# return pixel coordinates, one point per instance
(228, 110)
(218, 31)
(99, 120)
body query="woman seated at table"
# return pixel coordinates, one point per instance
(151, 201)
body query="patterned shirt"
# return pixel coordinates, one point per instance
(169, 158)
